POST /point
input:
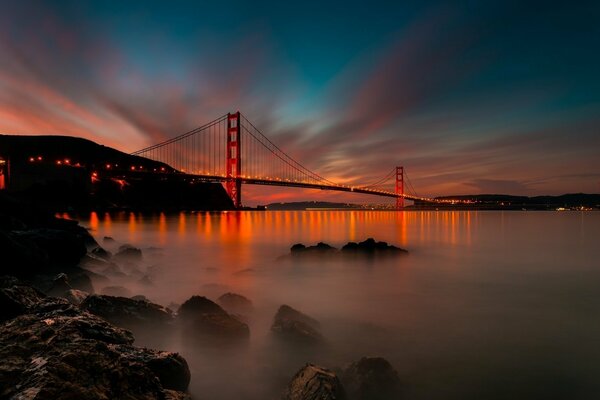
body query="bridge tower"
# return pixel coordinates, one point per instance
(400, 188)
(233, 184)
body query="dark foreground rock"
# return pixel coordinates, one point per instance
(205, 320)
(54, 350)
(314, 383)
(371, 378)
(17, 300)
(128, 313)
(235, 303)
(291, 324)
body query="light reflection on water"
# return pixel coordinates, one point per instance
(487, 304)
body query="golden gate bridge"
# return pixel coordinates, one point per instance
(231, 150)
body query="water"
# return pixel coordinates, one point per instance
(491, 305)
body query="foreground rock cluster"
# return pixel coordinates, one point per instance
(53, 349)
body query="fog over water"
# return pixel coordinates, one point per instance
(492, 305)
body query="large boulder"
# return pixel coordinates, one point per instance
(314, 383)
(291, 324)
(58, 351)
(235, 303)
(371, 378)
(206, 320)
(127, 313)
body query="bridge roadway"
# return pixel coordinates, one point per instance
(274, 182)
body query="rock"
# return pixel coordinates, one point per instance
(197, 305)
(319, 249)
(127, 313)
(75, 296)
(60, 284)
(58, 351)
(140, 297)
(116, 291)
(101, 253)
(314, 383)
(205, 319)
(20, 256)
(371, 378)
(113, 270)
(128, 253)
(291, 324)
(80, 279)
(235, 303)
(17, 300)
(61, 248)
(371, 247)
(108, 239)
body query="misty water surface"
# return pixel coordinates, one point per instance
(491, 305)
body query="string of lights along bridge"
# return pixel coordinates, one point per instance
(232, 150)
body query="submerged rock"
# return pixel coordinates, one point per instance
(314, 383)
(101, 253)
(128, 253)
(205, 319)
(58, 351)
(291, 324)
(371, 378)
(235, 303)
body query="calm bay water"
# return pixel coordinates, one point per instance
(492, 305)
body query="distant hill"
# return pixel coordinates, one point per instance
(565, 200)
(64, 172)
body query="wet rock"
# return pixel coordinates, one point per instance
(128, 253)
(116, 291)
(58, 351)
(371, 378)
(371, 247)
(235, 303)
(127, 313)
(75, 296)
(101, 253)
(291, 324)
(60, 285)
(314, 383)
(205, 319)
(16, 300)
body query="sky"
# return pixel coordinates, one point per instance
(468, 96)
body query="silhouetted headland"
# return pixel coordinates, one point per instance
(68, 173)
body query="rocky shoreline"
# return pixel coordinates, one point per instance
(59, 338)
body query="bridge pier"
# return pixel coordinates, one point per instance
(233, 183)
(399, 188)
